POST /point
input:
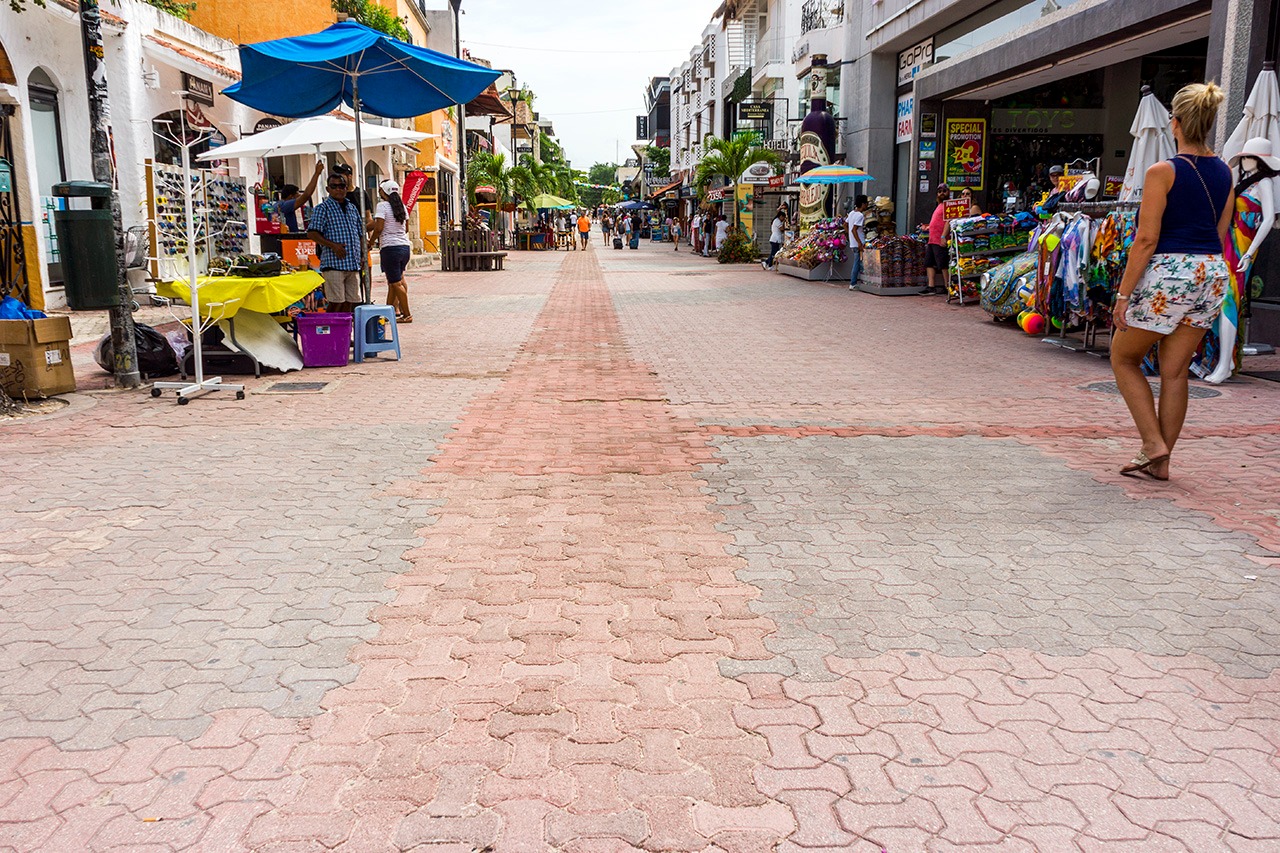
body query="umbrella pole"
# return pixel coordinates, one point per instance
(366, 286)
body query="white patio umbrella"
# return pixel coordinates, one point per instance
(318, 135)
(1153, 142)
(1261, 115)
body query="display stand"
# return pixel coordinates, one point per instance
(202, 384)
(1088, 340)
(955, 278)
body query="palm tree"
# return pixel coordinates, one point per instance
(492, 170)
(730, 158)
(509, 183)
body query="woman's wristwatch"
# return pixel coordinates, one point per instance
(1120, 297)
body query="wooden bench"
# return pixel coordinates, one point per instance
(470, 251)
(479, 261)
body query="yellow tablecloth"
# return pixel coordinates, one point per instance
(264, 295)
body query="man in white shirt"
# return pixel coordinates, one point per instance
(775, 237)
(695, 232)
(856, 222)
(722, 232)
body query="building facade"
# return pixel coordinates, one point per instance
(1021, 84)
(151, 59)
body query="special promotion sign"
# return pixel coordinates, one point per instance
(966, 147)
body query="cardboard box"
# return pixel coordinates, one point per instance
(35, 357)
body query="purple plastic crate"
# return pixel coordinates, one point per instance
(325, 339)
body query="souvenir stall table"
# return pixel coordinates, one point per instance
(820, 254)
(259, 304)
(893, 266)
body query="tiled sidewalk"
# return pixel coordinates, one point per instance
(636, 551)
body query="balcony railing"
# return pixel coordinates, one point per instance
(820, 14)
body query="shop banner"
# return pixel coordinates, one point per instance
(954, 208)
(413, 183)
(906, 118)
(745, 197)
(1047, 121)
(966, 147)
(777, 181)
(1112, 185)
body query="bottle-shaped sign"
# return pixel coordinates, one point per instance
(817, 145)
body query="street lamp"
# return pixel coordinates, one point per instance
(462, 115)
(515, 95)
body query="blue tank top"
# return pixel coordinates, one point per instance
(1190, 223)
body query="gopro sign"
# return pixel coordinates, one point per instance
(913, 60)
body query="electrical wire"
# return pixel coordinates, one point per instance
(562, 50)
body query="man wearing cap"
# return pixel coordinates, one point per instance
(337, 229)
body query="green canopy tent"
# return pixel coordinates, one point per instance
(546, 201)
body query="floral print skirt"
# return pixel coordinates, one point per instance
(1179, 290)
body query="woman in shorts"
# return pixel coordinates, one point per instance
(1175, 281)
(389, 230)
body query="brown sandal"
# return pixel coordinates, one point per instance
(1142, 465)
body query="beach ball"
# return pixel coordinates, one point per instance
(1022, 319)
(1034, 324)
(1056, 322)
(1026, 292)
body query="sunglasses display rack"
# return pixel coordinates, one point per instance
(227, 206)
(220, 204)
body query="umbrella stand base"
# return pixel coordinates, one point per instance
(187, 390)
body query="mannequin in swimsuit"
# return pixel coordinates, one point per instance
(1251, 222)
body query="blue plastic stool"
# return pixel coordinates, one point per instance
(369, 339)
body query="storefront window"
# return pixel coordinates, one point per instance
(1081, 92)
(992, 22)
(168, 129)
(833, 93)
(1169, 70)
(46, 128)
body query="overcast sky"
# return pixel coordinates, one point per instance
(589, 61)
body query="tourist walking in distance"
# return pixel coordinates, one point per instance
(776, 228)
(1176, 278)
(584, 229)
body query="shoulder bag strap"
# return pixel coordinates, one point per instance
(1208, 195)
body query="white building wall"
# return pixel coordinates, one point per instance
(143, 78)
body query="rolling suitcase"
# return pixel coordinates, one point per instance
(617, 242)
(635, 241)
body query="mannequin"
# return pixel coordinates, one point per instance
(1251, 223)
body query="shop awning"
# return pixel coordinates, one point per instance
(223, 71)
(668, 188)
(488, 103)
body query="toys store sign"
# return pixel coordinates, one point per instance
(1045, 120)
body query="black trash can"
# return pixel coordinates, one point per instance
(87, 243)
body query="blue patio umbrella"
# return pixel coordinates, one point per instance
(349, 63)
(634, 205)
(313, 74)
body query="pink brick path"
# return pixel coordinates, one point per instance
(634, 613)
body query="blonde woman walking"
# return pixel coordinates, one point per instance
(1176, 278)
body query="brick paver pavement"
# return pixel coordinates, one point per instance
(635, 551)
